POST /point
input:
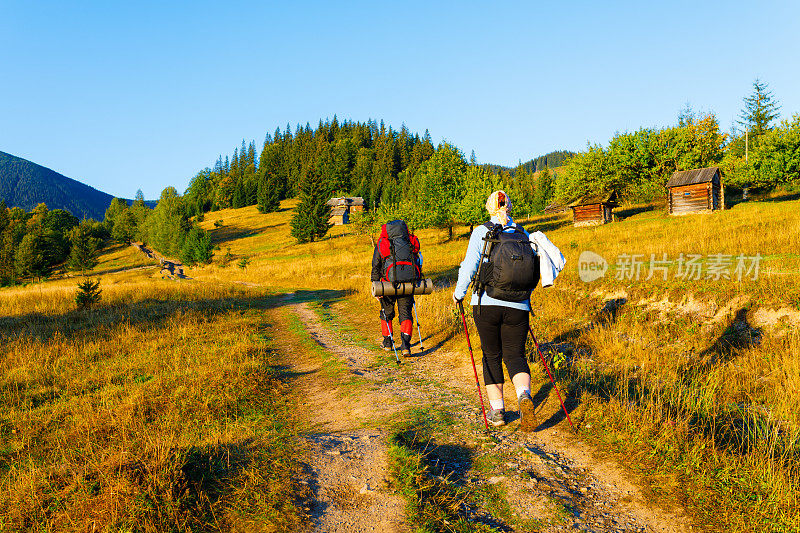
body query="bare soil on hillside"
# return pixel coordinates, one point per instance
(548, 474)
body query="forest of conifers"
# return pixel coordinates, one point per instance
(403, 175)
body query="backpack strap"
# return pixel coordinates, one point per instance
(395, 284)
(492, 230)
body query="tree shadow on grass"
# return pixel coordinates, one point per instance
(566, 343)
(444, 277)
(783, 198)
(145, 315)
(551, 225)
(627, 212)
(444, 493)
(432, 349)
(736, 428)
(738, 335)
(233, 232)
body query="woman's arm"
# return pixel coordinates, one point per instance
(470, 263)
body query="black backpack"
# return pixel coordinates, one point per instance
(512, 271)
(399, 262)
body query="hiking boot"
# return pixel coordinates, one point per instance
(387, 343)
(527, 419)
(497, 417)
(406, 352)
(405, 343)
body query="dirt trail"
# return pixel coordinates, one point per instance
(540, 470)
(346, 465)
(170, 268)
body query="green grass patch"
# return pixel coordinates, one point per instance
(435, 503)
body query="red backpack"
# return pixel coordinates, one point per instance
(399, 249)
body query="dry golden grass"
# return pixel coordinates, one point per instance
(673, 377)
(104, 410)
(150, 412)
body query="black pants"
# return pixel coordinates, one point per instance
(503, 331)
(404, 304)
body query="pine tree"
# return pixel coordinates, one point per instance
(83, 255)
(138, 200)
(88, 293)
(310, 220)
(760, 109)
(544, 191)
(269, 191)
(197, 247)
(118, 205)
(233, 173)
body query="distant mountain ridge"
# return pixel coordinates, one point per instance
(25, 184)
(551, 160)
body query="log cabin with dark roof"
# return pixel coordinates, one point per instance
(593, 209)
(699, 190)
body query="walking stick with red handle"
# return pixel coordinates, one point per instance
(475, 370)
(544, 363)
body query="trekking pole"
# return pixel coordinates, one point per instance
(421, 347)
(475, 370)
(544, 363)
(391, 335)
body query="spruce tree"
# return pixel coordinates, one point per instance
(760, 109)
(269, 192)
(544, 191)
(88, 293)
(310, 220)
(197, 247)
(83, 255)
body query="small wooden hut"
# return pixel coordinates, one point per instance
(342, 207)
(696, 191)
(593, 209)
(339, 216)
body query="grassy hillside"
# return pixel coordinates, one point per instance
(130, 413)
(25, 184)
(693, 382)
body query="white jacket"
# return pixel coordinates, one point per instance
(551, 260)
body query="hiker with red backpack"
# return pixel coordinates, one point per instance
(504, 262)
(396, 259)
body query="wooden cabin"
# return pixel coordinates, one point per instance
(593, 209)
(342, 207)
(695, 191)
(339, 216)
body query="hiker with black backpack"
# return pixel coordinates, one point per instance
(502, 262)
(396, 259)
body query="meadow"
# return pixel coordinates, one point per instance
(152, 411)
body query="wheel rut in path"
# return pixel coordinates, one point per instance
(346, 461)
(540, 471)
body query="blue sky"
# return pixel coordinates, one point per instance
(123, 96)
